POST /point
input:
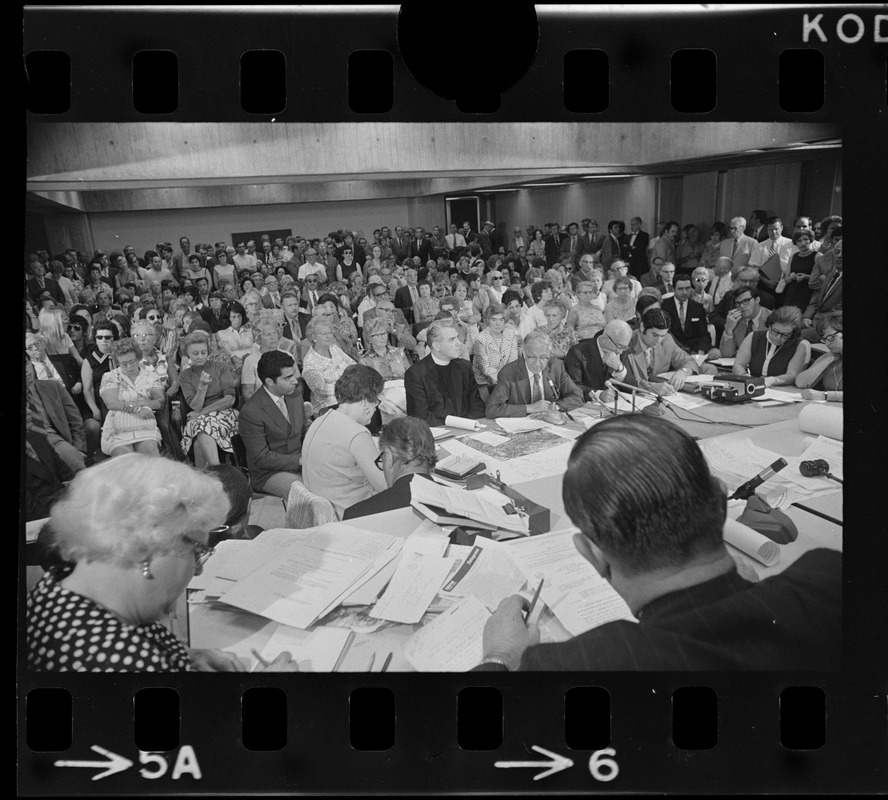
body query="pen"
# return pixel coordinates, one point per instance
(536, 596)
(385, 664)
(262, 661)
(372, 662)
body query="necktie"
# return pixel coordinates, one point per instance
(772, 249)
(573, 244)
(537, 393)
(314, 298)
(832, 283)
(734, 248)
(748, 327)
(681, 314)
(649, 357)
(282, 405)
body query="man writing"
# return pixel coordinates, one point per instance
(654, 351)
(592, 362)
(535, 384)
(272, 423)
(660, 545)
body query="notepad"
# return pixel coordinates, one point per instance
(452, 642)
(314, 651)
(412, 588)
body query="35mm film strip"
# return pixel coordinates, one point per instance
(821, 69)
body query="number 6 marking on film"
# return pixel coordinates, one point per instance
(604, 769)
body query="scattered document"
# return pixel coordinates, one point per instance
(684, 400)
(573, 590)
(440, 433)
(453, 642)
(464, 423)
(315, 651)
(723, 362)
(462, 503)
(832, 451)
(691, 379)
(778, 396)
(412, 588)
(488, 573)
(493, 439)
(519, 424)
(298, 586)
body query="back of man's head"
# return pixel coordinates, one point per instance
(640, 488)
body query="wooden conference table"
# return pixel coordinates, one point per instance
(222, 628)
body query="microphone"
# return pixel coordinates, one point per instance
(820, 466)
(747, 490)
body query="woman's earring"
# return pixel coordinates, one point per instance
(146, 569)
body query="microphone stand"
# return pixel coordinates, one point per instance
(653, 410)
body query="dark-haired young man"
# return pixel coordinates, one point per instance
(660, 544)
(272, 423)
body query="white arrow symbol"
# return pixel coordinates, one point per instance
(115, 763)
(556, 764)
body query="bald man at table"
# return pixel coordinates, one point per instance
(660, 545)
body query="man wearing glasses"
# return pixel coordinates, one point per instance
(592, 362)
(744, 318)
(747, 278)
(376, 291)
(738, 246)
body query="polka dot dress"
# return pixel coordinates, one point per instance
(69, 633)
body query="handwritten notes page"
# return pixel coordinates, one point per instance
(452, 642)
(573, 590)
(412, 588)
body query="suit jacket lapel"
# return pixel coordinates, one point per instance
(274, 409)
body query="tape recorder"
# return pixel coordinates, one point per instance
(729, 388)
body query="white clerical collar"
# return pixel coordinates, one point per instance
(440, 361)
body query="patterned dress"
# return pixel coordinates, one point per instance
(220, 425)
(67, 632)
(124, 427)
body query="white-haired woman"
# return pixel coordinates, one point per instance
(130, 533)
(132, 395)
(323, 364)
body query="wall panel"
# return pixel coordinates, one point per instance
(772, 187)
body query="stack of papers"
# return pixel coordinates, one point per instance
(450, 506)
(299, 581)
(519, 424)
(775, 396)
(452, 642)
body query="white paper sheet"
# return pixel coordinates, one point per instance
(573, 590)
(464, 423)
(488, 573)
(412, 588)
(519, 424)
(778, 396)
(463, 503)
(493, 439)
(298, 586)
(314, 651)
(751, 542)
(552, 461)
(453, 642)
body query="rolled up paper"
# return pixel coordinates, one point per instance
(462, 422)
(748, 541)
(822, 420)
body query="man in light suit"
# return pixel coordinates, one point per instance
(738, 247)
(55, 414)
(654, 351)
(535, 383)
(272, 423)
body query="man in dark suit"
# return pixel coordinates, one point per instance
(591, 362)
(651, 518)
(553, 244)
(571, 244)
(271, 424)
(484, 239)
(406, 452)
(758, 225)
(591, 239)
(612, 248)
(828, 297)
(38, 282)
(636, 247)
(214, 315)
(688, 324)
(442, 384)
(407, 295)
(535, 383)
(420, 246)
